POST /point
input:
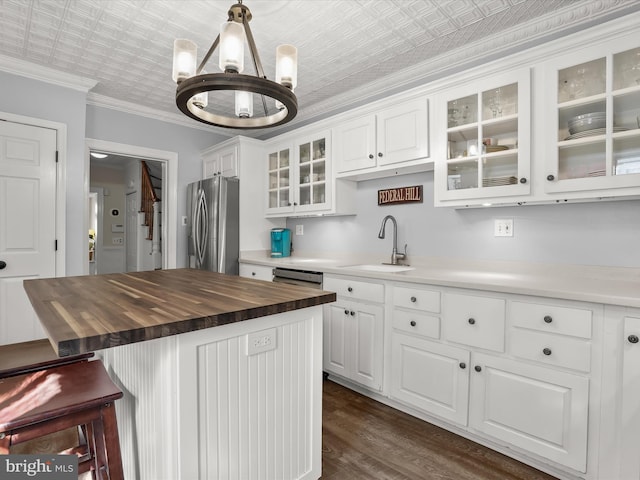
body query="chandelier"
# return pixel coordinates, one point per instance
(202, 95)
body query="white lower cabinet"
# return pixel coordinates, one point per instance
(353, 342)
(430, 376)
(508, 369)
(630, 399)
(259, 272)
(541, 410)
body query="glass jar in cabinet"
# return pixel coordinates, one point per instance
(596, 128)
(486, 136)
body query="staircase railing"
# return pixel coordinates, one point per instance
(148, 198)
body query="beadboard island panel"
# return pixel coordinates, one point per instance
(87, 313)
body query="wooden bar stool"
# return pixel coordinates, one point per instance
(52, 399)
(25, 357)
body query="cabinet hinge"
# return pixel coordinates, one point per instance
(56, 156)
(56, 245)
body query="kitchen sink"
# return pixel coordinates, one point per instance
(379, 268)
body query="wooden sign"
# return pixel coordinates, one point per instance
(391, 196)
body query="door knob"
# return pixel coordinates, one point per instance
(2, 264)
(631, 338)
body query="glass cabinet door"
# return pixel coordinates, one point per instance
(312, 172)
(279, 179)
(484, 133)
(598, 124)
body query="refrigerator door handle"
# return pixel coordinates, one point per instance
(204, 227)
(195, 227)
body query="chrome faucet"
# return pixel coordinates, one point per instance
(395, 256)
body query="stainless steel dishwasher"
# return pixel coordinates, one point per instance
(304, 278)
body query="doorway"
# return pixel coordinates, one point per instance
(127, 232)
(114, 225)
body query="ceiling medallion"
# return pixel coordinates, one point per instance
(202, 96)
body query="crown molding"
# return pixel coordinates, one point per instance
(104, 101)
(26, 69)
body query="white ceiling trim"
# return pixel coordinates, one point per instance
(103, 101)
(26, 69)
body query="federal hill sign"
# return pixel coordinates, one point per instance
(392, 196)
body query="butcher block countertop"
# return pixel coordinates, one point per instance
(87, 313)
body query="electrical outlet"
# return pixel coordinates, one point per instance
(184, 221)
(299, 229)
(503, 227)
(262, 341)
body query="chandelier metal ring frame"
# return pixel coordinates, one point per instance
(230, 80)
(235, 81)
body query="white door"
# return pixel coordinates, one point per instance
(542, 410)
(131, 232)
(335, 317)
(365, 329)
(354, 146)
(431, 376)
(27, 223)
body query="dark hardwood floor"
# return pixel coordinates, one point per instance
(364, 439)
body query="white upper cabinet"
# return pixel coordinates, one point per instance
(593, 127)
(396, 137)
(221, 160)
(483, 152)
(280, 173)
(300, 180)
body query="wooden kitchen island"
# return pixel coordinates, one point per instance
(222, 375)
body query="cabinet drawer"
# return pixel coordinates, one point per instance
(372, 292)
(552, 318)
(416, 323)
(552, 349)
(417, 298)
(475, 321)
(260, 272)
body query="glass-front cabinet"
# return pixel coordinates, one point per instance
(313, 184)
(486, 129)
(299, 176)
(280, 189)
(595, 122)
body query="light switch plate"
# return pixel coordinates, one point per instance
(299, 229)
(503, 227)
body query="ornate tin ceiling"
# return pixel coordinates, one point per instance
(349, 50)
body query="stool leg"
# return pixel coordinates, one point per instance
(5, 443)
(100, 458)
(112, 442)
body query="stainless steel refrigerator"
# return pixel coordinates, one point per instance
(214, 224)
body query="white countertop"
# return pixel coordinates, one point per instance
(607, 285)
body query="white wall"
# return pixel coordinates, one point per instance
(595, 233)
(31, 98)
(40, 100)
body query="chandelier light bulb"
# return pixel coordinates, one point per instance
(201, 100)
(287, 66)
(231, 47)
(244, 104)
(184, 59)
